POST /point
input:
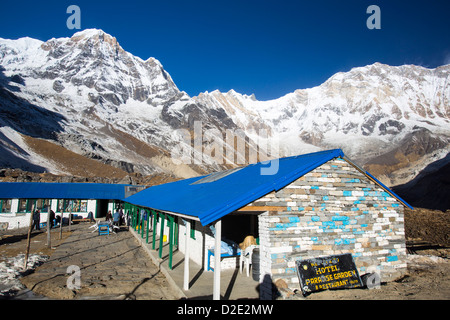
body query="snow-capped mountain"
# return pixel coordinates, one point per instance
(86, 94)
(387, 118)
(69, 103)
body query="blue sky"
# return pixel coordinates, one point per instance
(269, 48)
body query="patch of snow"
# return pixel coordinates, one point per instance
(12, 269)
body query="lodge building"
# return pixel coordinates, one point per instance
(313, 205)
(77, 199)
(305, 206)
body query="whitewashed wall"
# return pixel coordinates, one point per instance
(198, 247)
(21, 220)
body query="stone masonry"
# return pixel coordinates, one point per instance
(331, 210)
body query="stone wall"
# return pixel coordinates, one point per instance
(333, 209)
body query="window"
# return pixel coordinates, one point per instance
(25, 205)
(72, 205)
(5, 205)
(42, 204)
(83, 205)
(62, 205)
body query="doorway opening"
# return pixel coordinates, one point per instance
(102, 208)
(237, 226)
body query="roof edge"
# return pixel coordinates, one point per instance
(390, 191)
(215, 214)
(378, 182)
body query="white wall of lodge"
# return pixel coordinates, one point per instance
(15, 219)
(200, 241)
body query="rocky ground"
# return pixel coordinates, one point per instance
(116, 267)
(18, 175)
(110, 267)
(429, 226)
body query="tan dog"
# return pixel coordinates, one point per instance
(248, 241)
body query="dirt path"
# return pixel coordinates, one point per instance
(110, 267)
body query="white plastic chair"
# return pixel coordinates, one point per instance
(95, 226)
(246, 257)
(112, 227)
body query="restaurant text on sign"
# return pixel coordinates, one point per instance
(329, 272)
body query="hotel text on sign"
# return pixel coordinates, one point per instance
(331, 272)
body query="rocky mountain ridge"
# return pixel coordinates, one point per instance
(87, 95)
(70, 101)
(386, 118)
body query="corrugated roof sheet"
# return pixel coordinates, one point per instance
(49, 190)
(212, 200)
(213, 196)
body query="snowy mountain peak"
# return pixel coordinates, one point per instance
(97, 37)
(367, 111)
(88, 33)
(88, 95)
(99, 101)
(21, 44)
(91, 42)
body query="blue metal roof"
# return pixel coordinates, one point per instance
(213, 196)
(212, 200)
(49, 190)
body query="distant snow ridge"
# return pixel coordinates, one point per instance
(368, 112)
(88, 95)
(373, 103)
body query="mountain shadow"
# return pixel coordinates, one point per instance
(23, 116)
(431, 188)
(26, 118)
(10, 160)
